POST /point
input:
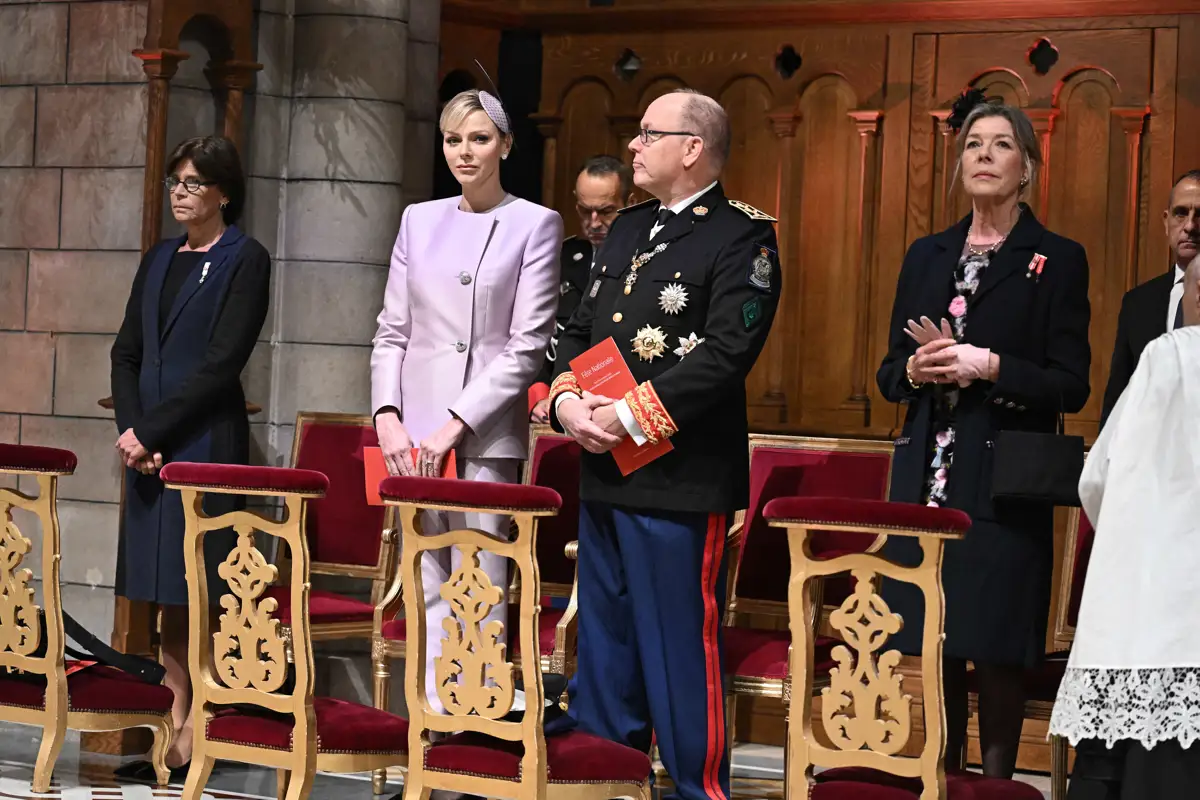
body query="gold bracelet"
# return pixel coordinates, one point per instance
(908, 373)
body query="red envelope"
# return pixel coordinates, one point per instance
(376, 470)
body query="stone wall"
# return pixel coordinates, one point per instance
(339, 136)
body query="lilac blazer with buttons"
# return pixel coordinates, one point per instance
(466, 319)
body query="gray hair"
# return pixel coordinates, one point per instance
(1027, 140)
(708, 119)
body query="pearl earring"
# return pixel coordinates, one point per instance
(504, 156)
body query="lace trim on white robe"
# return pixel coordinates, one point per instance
(1146, 705)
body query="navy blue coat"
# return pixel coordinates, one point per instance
(178, 387)
(996, 580)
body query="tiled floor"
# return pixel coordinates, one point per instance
(757, 770)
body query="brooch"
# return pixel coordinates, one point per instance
(649, 343)
(1034, 270)
(687, 345)
(673, 298)
(204, 271)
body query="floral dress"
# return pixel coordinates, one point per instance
(966, 280)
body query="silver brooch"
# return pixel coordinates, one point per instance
(204, 271)
(673, 298)
(687, 345)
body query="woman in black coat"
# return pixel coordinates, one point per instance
(194, 314)
(1008, 351)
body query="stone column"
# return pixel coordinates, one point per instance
(72, 152)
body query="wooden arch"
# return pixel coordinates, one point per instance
(227, 28)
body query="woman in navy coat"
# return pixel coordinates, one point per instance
(194, 314)
(1004, 347)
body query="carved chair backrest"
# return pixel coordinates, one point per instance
(474, 675)
(245, 660)
(25, 644)
(865, 713)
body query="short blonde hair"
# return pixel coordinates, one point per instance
(461, 106)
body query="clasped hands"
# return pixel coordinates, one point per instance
(136, 456)
(592, 421)
(940, 359)
(397, 446)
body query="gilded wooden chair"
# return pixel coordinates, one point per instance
(487, 749)
(756, 636)
(38, 686)
(249, 704)
(1041, 683)
(865, 713)
(347, 538)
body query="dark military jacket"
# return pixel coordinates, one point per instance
(576, 262)
(690, 319)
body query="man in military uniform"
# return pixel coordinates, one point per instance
(687, 285)
(603, 185)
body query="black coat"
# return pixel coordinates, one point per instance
(576, 262)
(178, 387)
(997, 580)
(725, 259)
(1143, 319)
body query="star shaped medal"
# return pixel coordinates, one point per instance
(687, 345)
(650, 343)
(673, 298)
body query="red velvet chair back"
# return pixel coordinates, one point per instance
(554, 463)
(790, 466)
(344, 533)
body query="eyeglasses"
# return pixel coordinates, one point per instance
(192, 185)
(649, 137)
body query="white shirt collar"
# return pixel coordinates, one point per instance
(687, 201)
(1178, 274)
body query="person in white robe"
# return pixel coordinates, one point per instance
(1131, 693)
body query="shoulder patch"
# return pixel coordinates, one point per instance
(750, 211)
(635, 206)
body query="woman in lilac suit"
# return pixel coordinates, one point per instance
(466, 320)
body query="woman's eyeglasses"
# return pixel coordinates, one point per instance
(649, 137)
(192, 185)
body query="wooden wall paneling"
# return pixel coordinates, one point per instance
(890, 240)
(784, 385)
(1039, 196)
(462, 43)
(826, 345)
(752, 176)
(924, 142)
(868, 124)
(584, 131)
(1187, 96)
(1158, 154)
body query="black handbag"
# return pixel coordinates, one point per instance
(1039, 467)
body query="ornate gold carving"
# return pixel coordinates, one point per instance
(250, 648)
(19, 629)
(473, 674)
(864, 705)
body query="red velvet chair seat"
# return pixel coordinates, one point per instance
(471, 494)
(342, 727)
(323, 607)
(868, 513)
(1041, 682)
(396, 630)
(235, 477)
(95, 689)
(760, 653)
(860, 783)
(573, 757)
(30, 458)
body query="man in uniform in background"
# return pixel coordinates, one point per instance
(687, 285)
(1150, 310)
(604, 184)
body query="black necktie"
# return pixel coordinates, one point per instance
(664, 216)
(1178, 316)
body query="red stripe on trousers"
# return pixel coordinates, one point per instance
(714, 548)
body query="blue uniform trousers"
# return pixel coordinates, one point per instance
(651, 603)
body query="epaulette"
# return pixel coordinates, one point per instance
(651, 201)
(750, 211)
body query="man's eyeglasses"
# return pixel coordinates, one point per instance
(649, 137)
(192, 185)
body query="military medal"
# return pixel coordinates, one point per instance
(639, 262)
(673, 298)
(650, 343)
(687, 345)
(595, 288)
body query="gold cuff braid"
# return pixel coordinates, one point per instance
(650, 414)
(564, 383)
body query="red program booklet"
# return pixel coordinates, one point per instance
(602, 370)
(375, 471)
